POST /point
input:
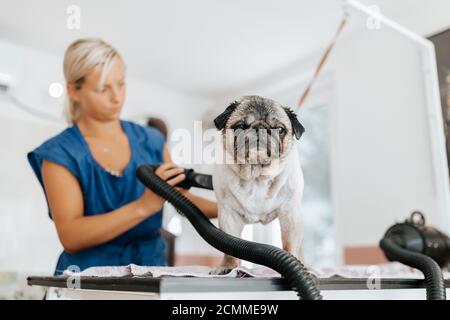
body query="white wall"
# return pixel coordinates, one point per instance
(381, 146)
(28, 240)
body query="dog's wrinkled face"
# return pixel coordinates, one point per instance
(258, 135)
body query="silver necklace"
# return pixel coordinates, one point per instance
(115, 173)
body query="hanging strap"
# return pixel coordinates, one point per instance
(322, 61)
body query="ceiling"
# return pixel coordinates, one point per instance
(201, 47)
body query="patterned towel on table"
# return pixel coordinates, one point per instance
(387, 270)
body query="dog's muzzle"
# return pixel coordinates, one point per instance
(256, 146)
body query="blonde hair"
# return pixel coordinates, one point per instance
(81, 57)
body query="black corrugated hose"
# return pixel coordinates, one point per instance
(434, 279)
(279, 260)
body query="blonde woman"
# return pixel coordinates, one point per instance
(103, 215)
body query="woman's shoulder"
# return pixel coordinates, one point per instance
(66, 139)
(64, 148)
(66, 144)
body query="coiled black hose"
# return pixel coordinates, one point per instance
(279, 260)
(434, 279)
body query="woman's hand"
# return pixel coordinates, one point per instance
(150, 202)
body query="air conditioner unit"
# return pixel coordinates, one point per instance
(5, 83)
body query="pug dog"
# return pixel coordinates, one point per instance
(260, 178)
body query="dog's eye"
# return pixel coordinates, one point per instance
(239, 126)
(281, 131)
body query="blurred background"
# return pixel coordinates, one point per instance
(376, 118)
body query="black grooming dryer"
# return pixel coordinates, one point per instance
(421, 247)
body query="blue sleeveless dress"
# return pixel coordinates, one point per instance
(104, 192)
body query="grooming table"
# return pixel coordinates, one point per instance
(191, 288)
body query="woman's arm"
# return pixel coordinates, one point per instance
(209, 208)
(76, 231)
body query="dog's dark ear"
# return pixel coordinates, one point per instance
(222, 118)
(296, 125)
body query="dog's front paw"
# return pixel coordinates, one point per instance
(221, 270)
